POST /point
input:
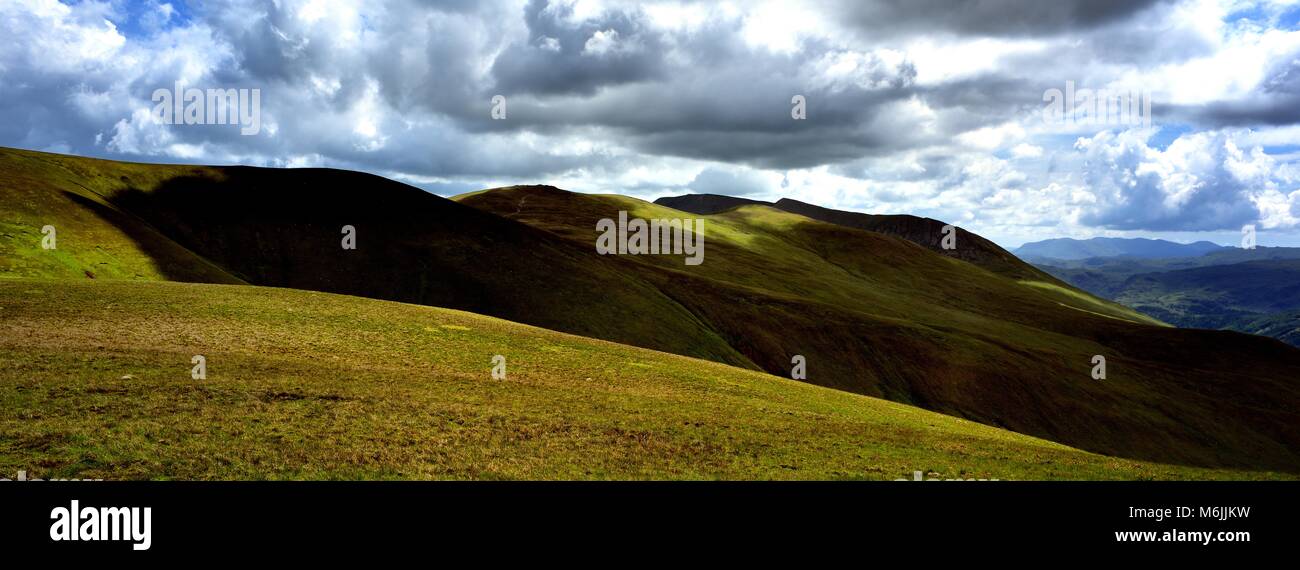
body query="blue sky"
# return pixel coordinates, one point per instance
(912, 107)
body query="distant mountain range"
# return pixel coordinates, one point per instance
(1249, 290)
(1074, 249)
(872, 304)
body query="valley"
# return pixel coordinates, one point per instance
(1256, 291)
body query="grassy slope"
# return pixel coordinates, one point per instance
(94, 238)
(761, 247)
(928, 233)
(873, 314)
(94, 379)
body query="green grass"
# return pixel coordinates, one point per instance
(94, 379)
(874, 314)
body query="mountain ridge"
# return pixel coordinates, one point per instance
(926, 232)
(1075, 249)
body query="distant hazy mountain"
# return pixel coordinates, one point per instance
(1105, 275)
(1069, 249)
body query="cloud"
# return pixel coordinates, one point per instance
(1275, 102)
(920, 107)
(987, 17)
(566, 55)
(1201, 182)
(1026, 150)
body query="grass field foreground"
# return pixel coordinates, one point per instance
(95, 381)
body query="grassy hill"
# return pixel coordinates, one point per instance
(706, 203)
(883, 316)
(928, 233)
(96, 383)
(873, 313)
(284, 228)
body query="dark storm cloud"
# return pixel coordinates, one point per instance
(562, 57)
(1147, 40)
(33, 119)
(764, 150)
(744, 121)
(734, 108)
(422, 53)
(1218, 208)
(987, 17)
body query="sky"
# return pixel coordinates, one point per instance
(924, 107)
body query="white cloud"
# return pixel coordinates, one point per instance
(1026, 150)
(601, 42)
(1203, 181)
(993, 138)
(779, 26)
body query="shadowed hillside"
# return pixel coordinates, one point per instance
(872, 313)
(706, 203)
